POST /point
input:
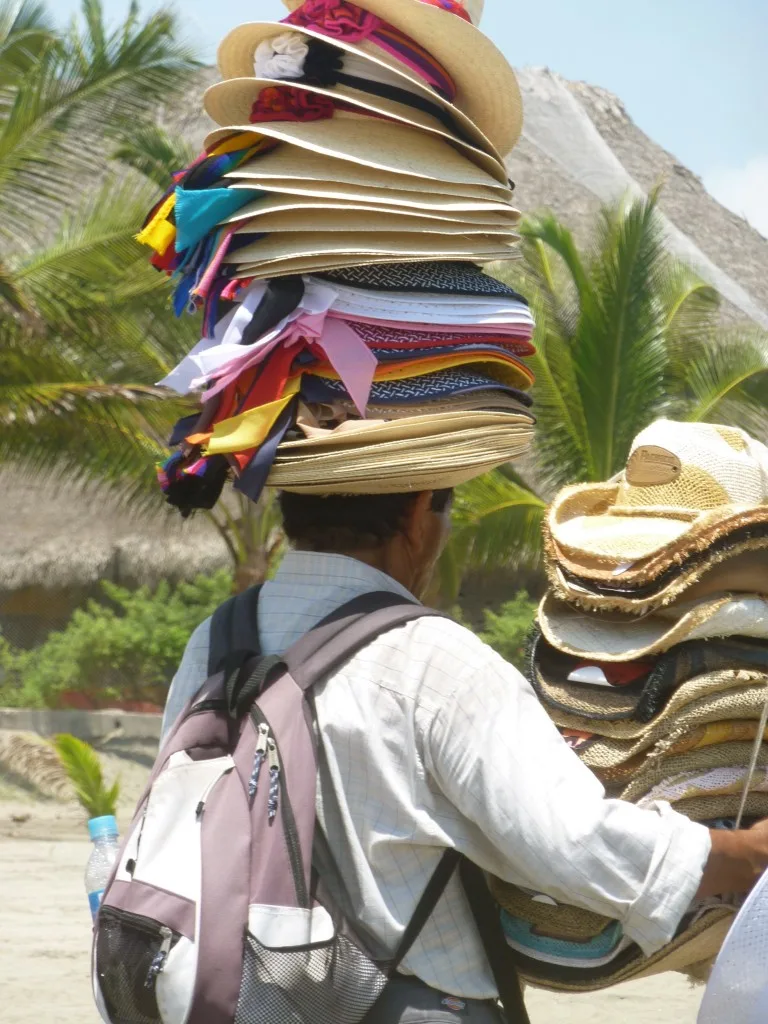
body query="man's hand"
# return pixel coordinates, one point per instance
(737, 860)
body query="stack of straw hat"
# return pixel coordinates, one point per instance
(651, 656)
(331, 233)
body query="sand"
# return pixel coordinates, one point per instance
(45, 936)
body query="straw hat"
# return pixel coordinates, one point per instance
(395, 457)
(722, 755)
(548, 917)
(371, 141)
(712, 808)
(617, 637)
(492, 215)
(487, 91)
(698, 943)
(685, 485)
(312, 170)
(583, 688)
(232, 102)
(737, 563)
(341, 217)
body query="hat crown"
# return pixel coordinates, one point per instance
(472, 8)
(696, 466)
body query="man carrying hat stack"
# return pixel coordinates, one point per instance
(354, 357)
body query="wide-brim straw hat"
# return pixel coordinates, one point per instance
(722, 755)
(685, 486)
(310, 172)
(730, 564)
(487, 91)
(319, 251)
(618, 637)
(550, 673)
(403, 455)
(717, 696)
(231, 103)
(554, 919)
(699, 943)
(372, 142)
(276, 212)
(339, 217)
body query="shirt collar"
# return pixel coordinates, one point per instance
(313, 565)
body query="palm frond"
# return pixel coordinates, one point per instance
(154, 153)
(726, 380)
(33, 763)
(83, 768)
(25, 31)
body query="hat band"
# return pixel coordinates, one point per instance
(453, 6)
(288, 103)
(348, 23)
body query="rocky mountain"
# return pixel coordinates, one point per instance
(579, 149)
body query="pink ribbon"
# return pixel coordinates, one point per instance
(345, 349)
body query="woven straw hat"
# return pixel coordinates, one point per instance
(372, 141)
(711, 808)
(338, 217)
(617, 637)
(559, 920)
(262, 212)
(592, 696)
(685, 485)
(721, 755)
(401, 456)
(231, 102)
(288, 166)
(730, 564)
(697, 944)
(487, 90)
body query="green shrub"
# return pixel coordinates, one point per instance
(126, 648)
(507, 631)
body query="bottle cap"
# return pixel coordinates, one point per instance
(103, 828)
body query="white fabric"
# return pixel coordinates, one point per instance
(281, 56)
(281, 927)
(432, 740)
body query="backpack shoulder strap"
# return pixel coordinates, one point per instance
(346, 631)
(234, 627)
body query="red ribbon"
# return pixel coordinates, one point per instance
(454, 6)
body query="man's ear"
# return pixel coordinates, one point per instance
(418, 519)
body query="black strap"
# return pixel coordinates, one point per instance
(426, 905)
(500, 957)
(234, 630)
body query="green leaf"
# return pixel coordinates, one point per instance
(82, 765)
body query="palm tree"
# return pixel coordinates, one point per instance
(84, 325)
(625, 334)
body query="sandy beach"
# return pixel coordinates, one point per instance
(45, 936)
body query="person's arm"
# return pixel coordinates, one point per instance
(737, 860)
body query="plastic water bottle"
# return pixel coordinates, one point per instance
(106, 846)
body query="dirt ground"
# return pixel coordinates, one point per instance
(45, 923)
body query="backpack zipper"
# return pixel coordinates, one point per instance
(258, 760)
(289, 822)
(274, 779)
(207, 792)
(158, 961)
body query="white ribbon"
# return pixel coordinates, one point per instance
(281, 56)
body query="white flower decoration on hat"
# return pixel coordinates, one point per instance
(281, 56)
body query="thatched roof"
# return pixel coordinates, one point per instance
(579, 149)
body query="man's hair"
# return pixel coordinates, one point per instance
(342, 522)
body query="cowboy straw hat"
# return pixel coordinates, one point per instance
(618, 637)
(720, 755)
(576, 687)
(736, 562)
(307, 169)
(371, 141)
(487, 91)
(684, 486)
(339, 217)
(699, 942)
(231, 103)
(497, 215)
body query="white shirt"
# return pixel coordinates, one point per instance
(431, 740)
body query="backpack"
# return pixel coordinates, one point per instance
(214, 914)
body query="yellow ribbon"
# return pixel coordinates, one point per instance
(250, 429)
(160, 233)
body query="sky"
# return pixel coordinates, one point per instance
(692, 74)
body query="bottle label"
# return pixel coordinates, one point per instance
(94, 899)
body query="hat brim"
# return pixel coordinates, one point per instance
(289, 167)
(231, 102)
(335, 219)
(487, 91)
(617, 637)
(371, 141)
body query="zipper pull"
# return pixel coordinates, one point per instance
(158, 961)
(258, 760)
(209, 789)
(274, 779)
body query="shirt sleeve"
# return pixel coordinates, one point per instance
(191, 674)
(542, 817)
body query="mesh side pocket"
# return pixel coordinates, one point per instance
(128, 956)
(335, 983)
